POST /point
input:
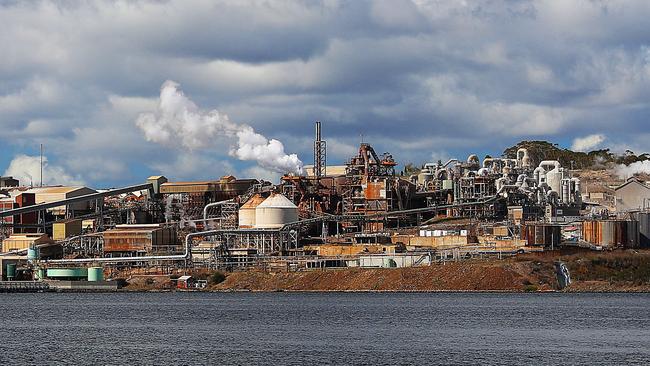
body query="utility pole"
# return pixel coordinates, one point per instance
(41, 165)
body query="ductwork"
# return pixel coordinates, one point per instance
(546, 163)
(178, 257)
(449, 162)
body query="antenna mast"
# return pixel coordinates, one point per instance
(41, 165)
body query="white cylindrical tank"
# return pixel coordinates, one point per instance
(554, 180)
(247, 211)
(565, 191)
(274, 212)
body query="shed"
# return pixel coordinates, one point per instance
(185, 282)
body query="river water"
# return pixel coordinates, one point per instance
(325, 328)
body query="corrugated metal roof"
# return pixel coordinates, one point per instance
(58, 189)
(189, 183)
(253, 202)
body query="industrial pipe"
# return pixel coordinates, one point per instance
(213, 204)
(449, 162)
(186, 255)
(554, 163)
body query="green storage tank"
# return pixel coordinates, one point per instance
(32, 254)
(95, 274)
(11, 271)
(40, 273)
(67, 273)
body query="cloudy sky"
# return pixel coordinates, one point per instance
(424, 80)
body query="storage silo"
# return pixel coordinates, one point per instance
(247, 211)
(274, 212)
(644, 229)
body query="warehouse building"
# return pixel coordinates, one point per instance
(633, 195)
(24, 241)
(127, 240)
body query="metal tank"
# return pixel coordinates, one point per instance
(632, 234)
(274, 212)
(608, 232)
(601, 232)
(32, 253)
(95, 274)
(11, 271)
(546, 235)
(67, 273)
(40, 273)
(644, 229)
(247, 211)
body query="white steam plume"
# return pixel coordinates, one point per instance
(27, 169)
(626, 171)
(178, 121)
(587, 143)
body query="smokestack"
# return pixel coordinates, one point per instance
(320, 154)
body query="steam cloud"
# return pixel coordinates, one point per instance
(178, 120)
(27, 169)
(624, 171)
(587, 143)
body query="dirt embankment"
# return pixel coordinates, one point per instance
(461, 276)
(621, 271)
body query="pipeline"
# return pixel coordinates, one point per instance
(213, 204)
(176, 257)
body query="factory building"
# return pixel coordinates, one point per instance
(364, 208)
(24, 241)
(6, 182)
(138, 240)
(633, 195)
(186, 200)
(57, 193)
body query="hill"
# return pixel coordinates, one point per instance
(596, 159)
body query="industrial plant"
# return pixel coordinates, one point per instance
(363, 213)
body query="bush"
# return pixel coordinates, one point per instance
(530, 288)
(216, 278)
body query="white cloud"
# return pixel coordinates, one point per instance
(587, 143)
(412, 78)
(27, 169)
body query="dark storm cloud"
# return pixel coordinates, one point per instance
(423, 79)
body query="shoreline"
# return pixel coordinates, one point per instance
(622, 272)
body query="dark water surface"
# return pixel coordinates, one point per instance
(325, 328)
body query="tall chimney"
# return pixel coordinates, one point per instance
(320, 154)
